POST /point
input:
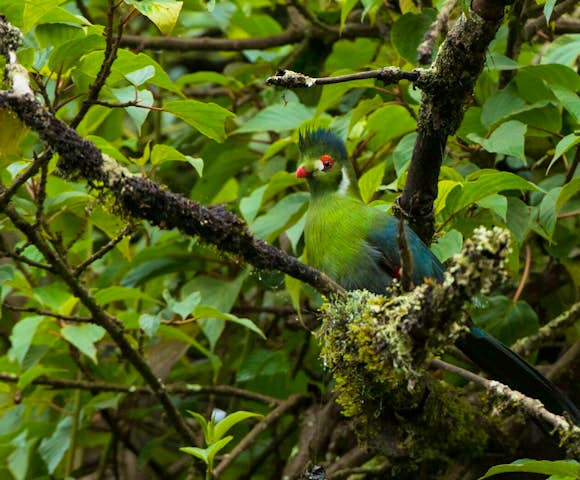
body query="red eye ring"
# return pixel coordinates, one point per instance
(327, 162)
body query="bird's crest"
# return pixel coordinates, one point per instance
(321, 139)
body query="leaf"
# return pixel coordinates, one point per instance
(163, 13)
(223, 426)
(119, 293)
(21, 337)
(567, 192)
(508, 138)
(370, 181)
(447, 245)
(506, 319)
(346, 8)
(141, 75)
(564, 50)
(334, 93)
(84, 337)
(548, 212)
(185, 306)
(548, 7)
(149, 324)
(389, 122)
(408, 31)
(563, 146)
(207, 454)
(202, 422)
(207, 311)
(403, 152)
(277, 118)
(565, 468)
(496, 203)
(53, 448)
(166, 153)
(208, 118)
(484, 183)
(280, 216)
(143, 97)
(569, 100)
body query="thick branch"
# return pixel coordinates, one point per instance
(445, 91)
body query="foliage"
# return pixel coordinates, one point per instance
(195, 115)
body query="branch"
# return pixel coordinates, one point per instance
(388, 75)
(142, 198)
(552, 329)
(534, 26)
(179, 389)
(454, 72)
(569, 432)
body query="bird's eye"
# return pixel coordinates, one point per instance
(327, 162)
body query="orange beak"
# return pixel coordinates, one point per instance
(302, 173)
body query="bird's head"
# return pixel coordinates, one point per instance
(324, 163)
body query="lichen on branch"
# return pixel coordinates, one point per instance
(378, 346)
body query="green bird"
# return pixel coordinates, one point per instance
(356, 245)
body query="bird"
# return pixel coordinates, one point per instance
(356, 246)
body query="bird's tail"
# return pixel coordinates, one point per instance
(506, 366)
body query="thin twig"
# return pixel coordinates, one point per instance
(388, 75)
(525, 274)
(103, 250)
(437, 29)
(177, 389)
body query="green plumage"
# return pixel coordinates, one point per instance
(356, 245)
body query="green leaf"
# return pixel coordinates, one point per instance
(185, 306)
(149, 324)
(84, 337)
(370, 181)
(447, 245)
(207, 454)
(333, 94)
(165, 153)
(277, 118)
(506, 319)
(548, 212)
(67, 55)
(208, 118)
(53, 448)
(567, 192)
(223, 426)
(202, 422)
(403, 152)
(163, 13)
(484, 183)
(351, 54)
(508, 138)
(569, 100)
(117, 293)
(565, 468)
(141, 75)
(548, 7)
(143, 97)
(18, 461)
(504, 104)
(408, 31)
(21, 337)
(496, 203)
(563, 146)
(346, 8)
(564, 50)
(207, 311)
(389, 122)
(280, 216)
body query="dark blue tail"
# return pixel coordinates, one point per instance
(506, 366)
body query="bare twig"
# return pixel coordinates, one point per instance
(534, 26)
(388, 75)
(178, 389)
(104, 249)
(525, 274)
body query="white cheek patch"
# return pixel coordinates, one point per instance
(318, 165)
(344, 183)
